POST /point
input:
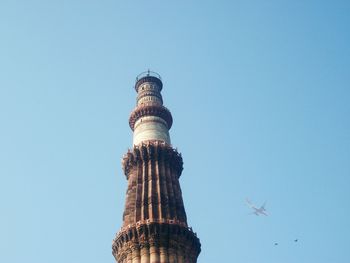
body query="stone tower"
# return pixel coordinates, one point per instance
(154, 227)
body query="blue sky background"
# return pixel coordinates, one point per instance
(259, 92)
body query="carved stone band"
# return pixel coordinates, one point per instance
(154, 151)
(170, 237)
(150, 110)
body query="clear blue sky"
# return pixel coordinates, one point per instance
(259, 92)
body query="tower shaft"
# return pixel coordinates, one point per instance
(155, 226)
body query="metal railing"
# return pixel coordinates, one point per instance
(148, 73)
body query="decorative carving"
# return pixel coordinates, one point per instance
(150, 110)
(149, 93)
(149, 79)
(170, 236)
(154, 220)
(152, 150)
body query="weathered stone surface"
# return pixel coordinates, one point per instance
(155, 226)
(170, 241)
(153, 170)
(151, 128)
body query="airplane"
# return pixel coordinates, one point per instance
(257, 211)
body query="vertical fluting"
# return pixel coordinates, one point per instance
(171, 191)
(144, 208)
(180, 256)
(163, 255)
(172, 255)
(129, 256)
(179, 202)
(136, 254)
(154, 220)
(150, 192)
(159, 190)
(139, 187)
(164, 190)
(154, 254)
(154, 205)
(145, 254)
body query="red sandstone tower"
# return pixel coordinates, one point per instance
(154, 227)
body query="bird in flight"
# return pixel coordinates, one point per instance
(257, 211)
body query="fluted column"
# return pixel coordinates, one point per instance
(154, 253)
(129, 256)
(145, 254)
(180, 256)
(163, 255)
(154, 226)
(136, 254)
(172, 255)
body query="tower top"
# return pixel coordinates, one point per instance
(148, 76)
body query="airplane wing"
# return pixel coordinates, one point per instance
(249, 203)
(263, 207)
(263, 212)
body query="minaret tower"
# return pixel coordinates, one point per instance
(154, 227)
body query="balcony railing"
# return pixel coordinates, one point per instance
(148, 73)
